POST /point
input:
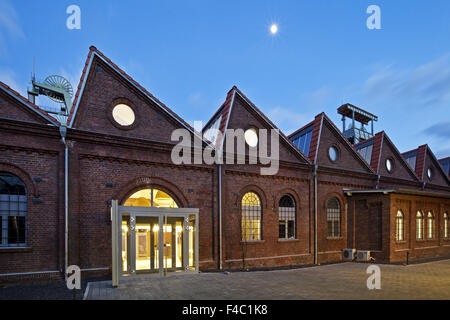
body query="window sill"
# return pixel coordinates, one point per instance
(252, 241)
(288, 240)
(15, 249)
(337, 238)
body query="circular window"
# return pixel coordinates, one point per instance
(430, 173)
(123, 115)
(389, 165)
(251, 137)
(333, 153)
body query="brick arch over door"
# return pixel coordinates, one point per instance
(149, 182)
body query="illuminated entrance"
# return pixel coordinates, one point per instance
(151, 234)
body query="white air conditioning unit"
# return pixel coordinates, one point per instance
(363, 256)
(348, 254)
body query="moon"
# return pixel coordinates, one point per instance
(274, 28)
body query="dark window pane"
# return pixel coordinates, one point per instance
(282, 229)
(1, 230)
(291, 229)
(16, 230)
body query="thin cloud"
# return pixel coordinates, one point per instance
(9, 21)
(425, 85)
(439, 130)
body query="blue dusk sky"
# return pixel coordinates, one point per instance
(190, 53)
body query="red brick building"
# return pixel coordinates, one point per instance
(330, 193)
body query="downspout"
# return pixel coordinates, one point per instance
(219, 207)
(63, 132)
(315, 214)
(378, 181)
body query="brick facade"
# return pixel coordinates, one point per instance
(108, 162)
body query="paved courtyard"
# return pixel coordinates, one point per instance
(338, 281)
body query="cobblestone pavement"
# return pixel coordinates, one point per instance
(338, 281)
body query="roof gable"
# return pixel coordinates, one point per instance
(438, 176)
(326, 134)
(388, 150)
(228, 118)
(133, 90)
(15, 106)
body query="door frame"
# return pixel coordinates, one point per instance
(116, 235)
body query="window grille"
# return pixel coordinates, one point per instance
(286, 218)
(400, 226)
(419, 226)
(13, 211)
(251, 217)
(334, 218)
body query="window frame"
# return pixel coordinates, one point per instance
(419, 226)
(283, 216)
(400, 226)
(253, 212)
(14, 205)
(336, 219)
(446, 233)
(431, 226)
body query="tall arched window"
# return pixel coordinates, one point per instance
(400, 226)
(151, 198)
(251, 217)
(446, 233)
(286, 217)
(13, 211)
(334, 218)
(419, 225)
(430, 225)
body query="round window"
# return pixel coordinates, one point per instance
(430, 173)
(123, 115)
(333, 153)
(251, 137)
(389, 165)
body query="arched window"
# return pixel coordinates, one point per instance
(286, 217)
(400, 226)
(419, 225)
(251, 217)
(151, 198)
(334, 218)
(13, 211)
(430, 225)
(446, 233)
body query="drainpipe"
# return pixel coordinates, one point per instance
(63, 132)
(378, 181)
(315, 213)
(219, 207)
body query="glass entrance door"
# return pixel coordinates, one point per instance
(144, 248)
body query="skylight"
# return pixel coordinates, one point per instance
(303, 140)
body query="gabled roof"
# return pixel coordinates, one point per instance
(445, 164)
(225, 111)
(17, 96)
(378, 141)
(421, 154)
(317, 124)
(95, 53)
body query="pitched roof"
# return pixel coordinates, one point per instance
(225, 110)
(421, 154)
(44, 114)
(94, 52)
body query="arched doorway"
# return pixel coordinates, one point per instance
(154, 234)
